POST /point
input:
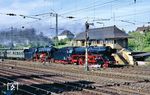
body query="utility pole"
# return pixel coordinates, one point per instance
(52, 15)
(12, 43)
(56, 29)
(56, 25)
(56, 15)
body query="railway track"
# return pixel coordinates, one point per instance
(104, 82)
(139, 70)
(69, 85)
(105, 75)
(130, 69)
(100, 91)
(55, 86)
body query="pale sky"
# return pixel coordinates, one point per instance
(126, 14)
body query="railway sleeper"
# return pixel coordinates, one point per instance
(60, 86)
(26, 87)
(51, 88)
(21, 90)
(58, 90)
(65, 84)
(146, 80)
(33, 90)
(69, 87)
(86, 86)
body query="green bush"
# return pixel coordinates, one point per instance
(139, 42)
(146, 49)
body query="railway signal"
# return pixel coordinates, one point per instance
(87, 25)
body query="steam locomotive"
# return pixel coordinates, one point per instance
(65, 55)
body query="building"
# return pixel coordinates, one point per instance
(143, 29)
(66, 35)
(109, 36)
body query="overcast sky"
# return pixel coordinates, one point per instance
(126, 14)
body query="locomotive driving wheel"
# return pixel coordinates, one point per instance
(105, 65)
(80, 61)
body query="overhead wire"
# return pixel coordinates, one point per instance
(124, 15)
(80, 9)
(89, 7)
(138, 13)
(84, 7)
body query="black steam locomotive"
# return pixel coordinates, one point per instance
(52, 54)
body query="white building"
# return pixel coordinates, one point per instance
(65, 35)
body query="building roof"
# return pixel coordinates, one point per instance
(66, 32)
(103, 33)
(143, 28)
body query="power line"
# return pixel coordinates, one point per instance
(79, 9)
(119, 7)
(133, 14)
(126, 21)
(99, 5)
(88, 4)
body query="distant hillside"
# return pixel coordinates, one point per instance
(25, 37)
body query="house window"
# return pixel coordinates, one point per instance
(109, 41)
(98, 41)
(115, 41)
(106, 41)
(94, 42)
(82, 43)
(101, 42)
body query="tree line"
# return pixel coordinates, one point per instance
(139, 41)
